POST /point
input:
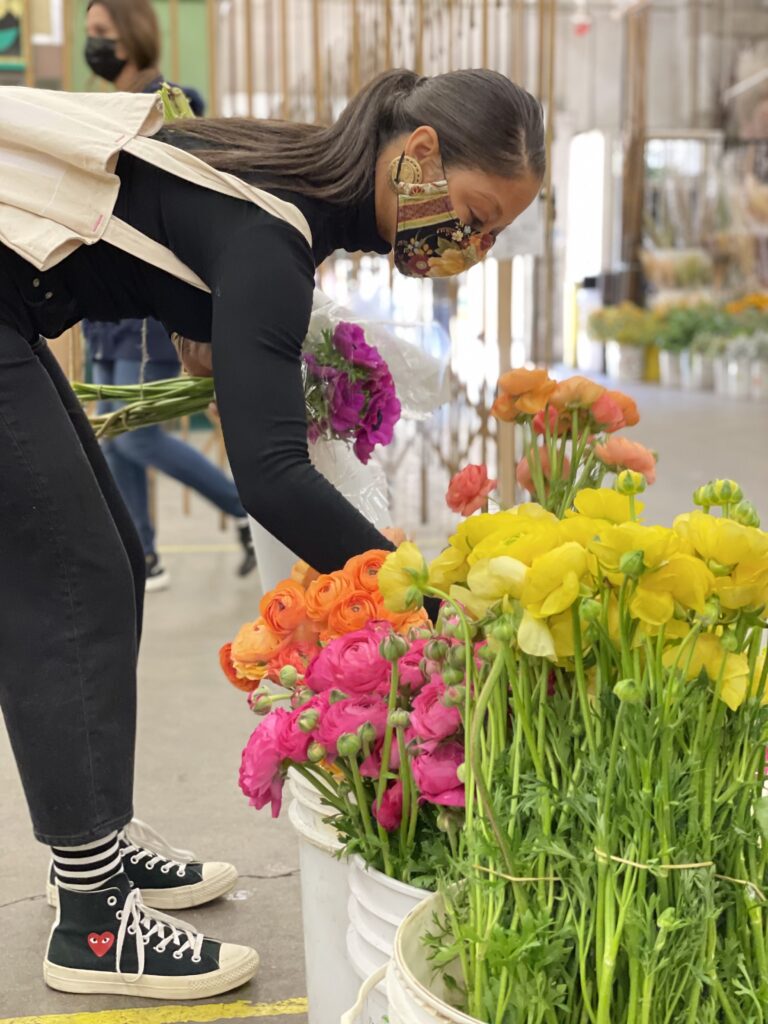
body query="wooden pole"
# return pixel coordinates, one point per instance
(634, 117)
(549, 242)
(285, 77)
(248, 32)
(317, 50)
(213, 58)
(354, 81)
(173, 22)
(388, 33)
(519, 42)
(484, 30)
(418, 63)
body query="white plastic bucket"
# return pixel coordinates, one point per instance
(377, 906)
(625, 362)
(416, 993)
(332, 985)
(670, 374)
(702, 372)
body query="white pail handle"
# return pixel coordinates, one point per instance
(353, 1016)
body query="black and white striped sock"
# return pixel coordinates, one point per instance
(87, 867)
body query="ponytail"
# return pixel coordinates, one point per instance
(481, 118)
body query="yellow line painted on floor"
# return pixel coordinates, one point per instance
(190, 1014)
(195, 549)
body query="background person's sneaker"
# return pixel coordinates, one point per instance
(169, 878)
(109, 942)
(248, 563)
(158, 577)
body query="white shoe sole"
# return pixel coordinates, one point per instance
(243, 965)
(153, 584)
(182, 897)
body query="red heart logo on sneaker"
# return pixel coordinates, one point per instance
(101, 944)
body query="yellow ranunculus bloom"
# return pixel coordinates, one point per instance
(449, 567)
(605, 503)
(476, 606)
(473, 529)
(746, 587)
(535, 638)
(402, 578)
(554, 580)
(523, 547)
(561, 628)
(709, 655)
(492, 578)
(683, 579)
(722, 540)
(656, 542)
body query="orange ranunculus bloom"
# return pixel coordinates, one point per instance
(363, 569)
(576, 393)
(284, 607)
(627, 405)
(402, 622)
(621, 453)
(522, 393)
(229, 670)
(353, 611)
(324, 593)
(303, 574)
(256, 642)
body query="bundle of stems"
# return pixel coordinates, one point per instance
(158, 402)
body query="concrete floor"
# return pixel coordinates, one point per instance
(193, 725)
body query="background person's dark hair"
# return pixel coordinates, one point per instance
(137, 28)
(482, 119)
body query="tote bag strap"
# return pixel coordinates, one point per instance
(130, 240)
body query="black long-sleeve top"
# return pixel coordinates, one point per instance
(261, 274)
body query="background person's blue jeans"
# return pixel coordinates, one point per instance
(131, 454)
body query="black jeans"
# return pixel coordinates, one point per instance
(71, 595)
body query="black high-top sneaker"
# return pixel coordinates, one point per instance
(109, 941)
(248, 563)
(169, 878)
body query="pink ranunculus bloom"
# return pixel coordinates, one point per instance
(525, 477)
(621, 453)
(391, 812)
(261, 774)
(559, 422)
(607, 414)
(435, 773)
(430, 718)
(371, 766)
(409, 666)
(352, 663)
(469, 489)
(347, 716)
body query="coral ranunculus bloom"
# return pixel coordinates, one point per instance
(469, 489)
(525, 477)
(522, 393)
(229, 670)
(627, 405)
(621, 453)
(284, 607)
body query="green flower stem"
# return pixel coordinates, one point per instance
(381, 782)
(581, 679)
(318, 781)
(410, 798)
(363, 807)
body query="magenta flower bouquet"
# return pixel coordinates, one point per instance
(349, 390)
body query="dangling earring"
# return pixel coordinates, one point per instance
(404, 170)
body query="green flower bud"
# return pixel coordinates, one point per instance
(486, 653)
(711, 613)
(503, 629)
(730, 641)
(629, 691)
(261, 702)
(335, 696)
(630, 482)
(667, 919)
(632, 564)
(348, 744)
(367, 733)
(710, 497)
(454, 697)
(316, 752)
(701, 497)
(393, 647)
(421, 633)
(303, 694)
(453, 676)
(399, 719)
(590, 610)
(718, 569)
(435, 650)
(461, 772)
(457, 656)
(448, 820)
(727, 492)
(308, 720)
(746, 514)
(288, 676)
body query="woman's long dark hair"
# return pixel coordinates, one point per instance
(482, 119)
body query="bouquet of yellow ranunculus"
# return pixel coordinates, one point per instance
(613, 862)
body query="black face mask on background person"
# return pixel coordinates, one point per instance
(101, 58)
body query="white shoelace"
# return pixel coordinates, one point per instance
(144, 842)
(139, 921)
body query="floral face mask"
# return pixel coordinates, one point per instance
(431, 239)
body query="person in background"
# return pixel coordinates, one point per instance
(123, 47)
